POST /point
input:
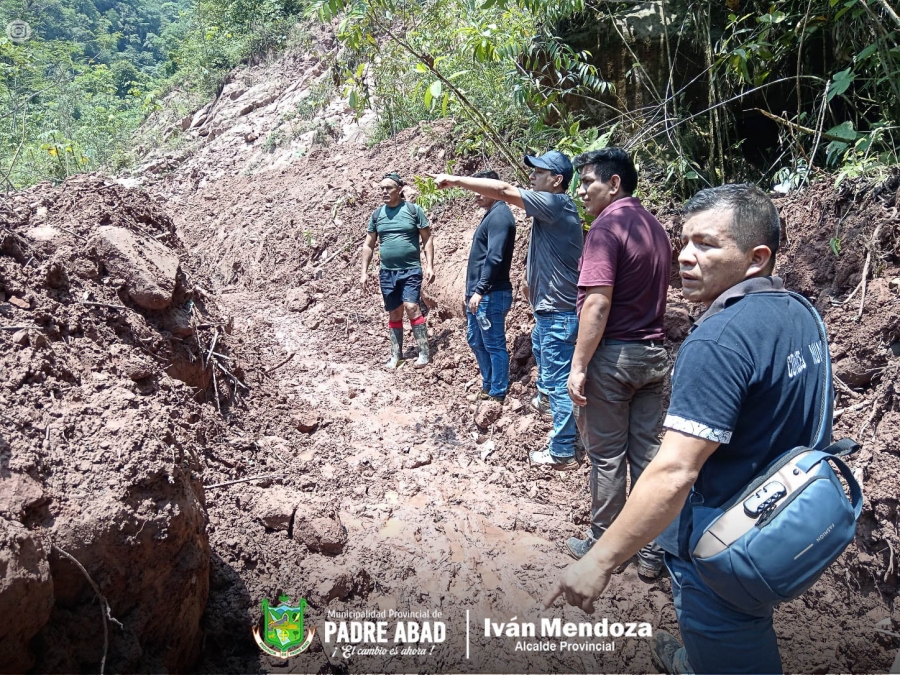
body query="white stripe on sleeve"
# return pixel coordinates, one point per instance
(692, 428)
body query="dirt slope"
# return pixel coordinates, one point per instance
(99, 444)
(378, 489)
(434, 519)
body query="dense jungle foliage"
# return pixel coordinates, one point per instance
(78, 77)
(702, 93)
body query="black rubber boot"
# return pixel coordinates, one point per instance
(396, 348)
(421, 333)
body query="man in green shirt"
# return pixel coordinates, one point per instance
(402, 229)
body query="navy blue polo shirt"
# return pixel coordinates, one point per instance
(750, 377)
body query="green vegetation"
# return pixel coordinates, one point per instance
(74, 90)
(774, 91)
(493, 63)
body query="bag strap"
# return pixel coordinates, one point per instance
(410, 209)
(842, 448)
(822, 434)
(856, 497)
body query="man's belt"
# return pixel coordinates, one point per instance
(646, 343)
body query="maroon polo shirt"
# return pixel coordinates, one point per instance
(628, 249)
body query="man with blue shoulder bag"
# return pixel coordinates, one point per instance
(742, 495)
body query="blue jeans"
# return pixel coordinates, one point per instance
(717, 636)
(489, 344)
(553, 344)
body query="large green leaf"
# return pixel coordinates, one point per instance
(433, 94)
(866, 53)
(840, 82)
(844, 131)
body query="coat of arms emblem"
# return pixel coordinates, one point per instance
(283, 629)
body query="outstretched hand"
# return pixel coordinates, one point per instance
(581, 584)
(441, 180)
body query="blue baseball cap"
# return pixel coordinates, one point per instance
(553, 161)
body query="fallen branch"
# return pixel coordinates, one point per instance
(16, 327)
(862, 298)
(274, 368)
(74, 234)
(212, 345)
(101, 304)
(843, 387)
(216, 391)
(243, 480)
(849, 297)
(798, 127)
(889, 10)
(334, 255)
(856, 406)
(890, 568)
(869, 419)
(231, 375)
(104, 605)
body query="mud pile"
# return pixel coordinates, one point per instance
(100, 321)
(386, 489)
(842, 251)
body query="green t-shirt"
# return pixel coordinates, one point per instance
(398, 234)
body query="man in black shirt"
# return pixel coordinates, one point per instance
(489, 293)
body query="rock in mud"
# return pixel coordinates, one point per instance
(341, 584)
(488, 413)
(149, 268)
(321, 533)
(306, 421)
(21, 303)
(298, 299)
(275, 507)
(678, 323)
(19, 493)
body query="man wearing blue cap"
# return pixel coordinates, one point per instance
(551, 275)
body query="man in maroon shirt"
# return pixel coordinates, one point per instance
(620, 364)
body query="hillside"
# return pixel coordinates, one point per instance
(229, 435)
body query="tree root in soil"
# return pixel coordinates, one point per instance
(104, 605)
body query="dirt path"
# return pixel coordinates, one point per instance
(432, 522)
(382, 490)
(434, 525)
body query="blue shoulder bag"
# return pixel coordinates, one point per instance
(773, 540)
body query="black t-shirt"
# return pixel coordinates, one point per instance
(749, 376)
(490, 257)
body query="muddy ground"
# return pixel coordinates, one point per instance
(439, 511)
(103, 429)
(376, 489)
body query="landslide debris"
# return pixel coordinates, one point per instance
(439, 510)
(101, 440)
